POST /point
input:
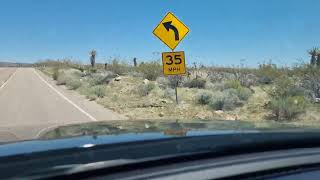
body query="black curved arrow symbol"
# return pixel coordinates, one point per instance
(169, 26)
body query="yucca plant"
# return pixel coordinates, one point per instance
(313, 52)
(93, 54)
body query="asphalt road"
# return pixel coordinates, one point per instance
(30, 104)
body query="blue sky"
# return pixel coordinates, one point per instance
(222, 32)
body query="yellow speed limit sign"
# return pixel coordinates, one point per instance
(173, 63)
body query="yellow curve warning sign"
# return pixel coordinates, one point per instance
(171, 31)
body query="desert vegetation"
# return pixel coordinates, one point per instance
(140, 91)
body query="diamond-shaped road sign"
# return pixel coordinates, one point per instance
(171, 31)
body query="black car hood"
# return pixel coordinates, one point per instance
(103, 133)
(33, 146)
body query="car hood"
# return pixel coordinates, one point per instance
(166, 127)
(101, 133)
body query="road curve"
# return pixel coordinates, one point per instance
(30, 104)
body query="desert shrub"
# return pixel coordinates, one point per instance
(209, 85)
(70, 78)
(145, 89)
(173, 81)
(231, 101)
(96, 79)
(234, 84)
(234, 87)
(287, 108)
(282, 87)
(296, 91)
(157, 92)
(265, 80)
(91, 97)
(287, 99)
(62, 79)
(228, 99)
(230, 91)
(163, 82)
(244, 93)
(285, 87)
(169, 93)
(196, 83)
(203, 97)
(170, 81)
(93, 70)
(224, 101)
(81, 68)
(150, 70)
(215, 86)
(108, 77)
(101, 78)
(99, 91)
(215, 77)
(267, 73)
(247, 80)
(73, 72)
(118, 68)
(73, 83)
(217, 101)
(55, 73)
(311, 81)
(78, 66)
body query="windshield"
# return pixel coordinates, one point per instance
(91, 68)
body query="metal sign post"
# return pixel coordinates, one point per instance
(176, 88)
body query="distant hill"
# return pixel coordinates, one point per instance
(16, 64)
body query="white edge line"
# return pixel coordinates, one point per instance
(10, 77)
(65, 98)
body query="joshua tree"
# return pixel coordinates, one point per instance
(318, 57)
(93, 54)
(313, 52)
(135, 62)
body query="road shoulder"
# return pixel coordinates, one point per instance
(99, 112)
